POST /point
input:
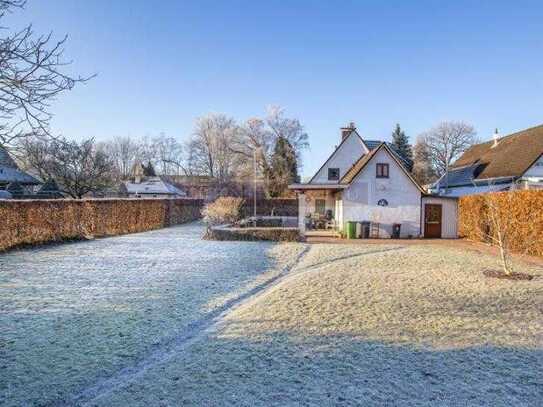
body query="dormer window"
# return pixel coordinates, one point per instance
(382, 170)
(333, 174)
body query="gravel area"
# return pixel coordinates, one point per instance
(74, 313)
(366, 325)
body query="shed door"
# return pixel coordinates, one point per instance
(432, 220)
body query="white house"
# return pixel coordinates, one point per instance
(511, 162)
(366, 181)
(148, 185)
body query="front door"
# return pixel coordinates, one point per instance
(432, 220)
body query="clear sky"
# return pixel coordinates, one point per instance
(161, 64)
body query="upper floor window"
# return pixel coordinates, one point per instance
(333, 174)
(382, 170)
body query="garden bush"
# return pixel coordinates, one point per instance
(224, 210)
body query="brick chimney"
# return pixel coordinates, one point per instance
(345, 131)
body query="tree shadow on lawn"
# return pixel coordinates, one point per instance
(281, 369)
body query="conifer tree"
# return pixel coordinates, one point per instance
(401, 142)
(283, 169)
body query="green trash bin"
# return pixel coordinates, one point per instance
(351, 230)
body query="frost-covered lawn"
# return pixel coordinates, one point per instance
(74, 313)
(118, 322)
(360, 325)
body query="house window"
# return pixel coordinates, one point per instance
(382, 170)
(320, 206)
(333, 174)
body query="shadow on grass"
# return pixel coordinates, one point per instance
(283, 369)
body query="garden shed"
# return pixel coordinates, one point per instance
(439, 217)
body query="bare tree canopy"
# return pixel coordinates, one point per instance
(447, 141)
(31, 77)
(169, 154)
(123, 152)
(220, 148)
(289, 129)
(77, 167)
(422, 170)
(210, 151)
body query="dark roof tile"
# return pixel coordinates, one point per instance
(513, 155)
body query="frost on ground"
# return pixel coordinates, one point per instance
(366, 325)
(72, 314)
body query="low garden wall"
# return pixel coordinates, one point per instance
(28, 222)
(280, 234)
(522, 211)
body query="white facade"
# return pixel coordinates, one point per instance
(382, 201)
(535, 172)
(449, 213)
(348, 152)
(360, 200)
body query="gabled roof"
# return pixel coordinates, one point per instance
(373, 144)
(6, 160)
(10, 174)
(153, 185)
(336, 150)
(365, 159)
(357, 167)
(511, 157)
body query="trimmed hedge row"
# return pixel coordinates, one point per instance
(254, 234)
(524, 208)
(28, 222)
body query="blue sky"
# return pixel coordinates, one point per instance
(162, 64)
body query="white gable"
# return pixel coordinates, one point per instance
(361, 199)
(349, 151)
(536, 170)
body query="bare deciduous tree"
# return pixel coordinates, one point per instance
(289, 129)
(210, 146)
(31, 77)
(169, 155)
(123, 152)
(446, 142)
(77, 167)
(262, 135)
(253, 136)
(422, 170)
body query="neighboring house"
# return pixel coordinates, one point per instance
(12, 179)
(510, 162)
(142, 186)
(367, 182)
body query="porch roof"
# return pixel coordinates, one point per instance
(301, 187)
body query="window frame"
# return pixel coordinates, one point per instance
(333, 178)
(323, 202)
(382, 170)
